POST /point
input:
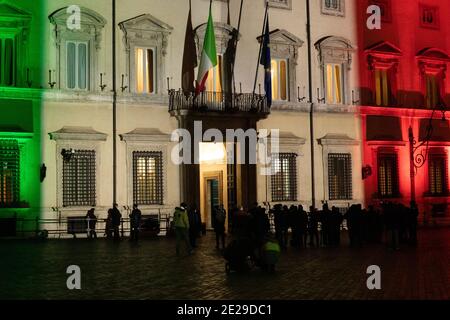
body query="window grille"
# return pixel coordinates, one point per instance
(79, 179)
(284, 177)
(388, 176)
(147, 178)
(9, 172)
(340, 176)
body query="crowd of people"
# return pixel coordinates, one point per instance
(293, 226)
(393, 223)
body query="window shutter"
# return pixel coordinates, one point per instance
(82, 66)
(71, 54)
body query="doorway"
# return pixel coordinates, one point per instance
(213, 195)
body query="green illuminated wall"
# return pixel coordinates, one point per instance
(21, 103)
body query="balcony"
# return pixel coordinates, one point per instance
(218, 102)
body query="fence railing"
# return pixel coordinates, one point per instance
(73, 226)
(218, 102)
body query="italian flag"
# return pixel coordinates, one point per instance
(209, 55)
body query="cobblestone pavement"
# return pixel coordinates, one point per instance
(151, 270)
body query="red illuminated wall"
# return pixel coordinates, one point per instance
(402, 29)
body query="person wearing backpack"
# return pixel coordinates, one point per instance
(219, 225)
(181, 224)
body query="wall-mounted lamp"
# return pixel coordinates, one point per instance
(366, 172)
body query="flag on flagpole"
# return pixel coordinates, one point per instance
(209, 55)
(189, 57)
(266, 61)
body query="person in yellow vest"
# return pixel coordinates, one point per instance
(181, 224)
(270, 253)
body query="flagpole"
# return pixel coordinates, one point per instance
(234, 58)
(260, 49)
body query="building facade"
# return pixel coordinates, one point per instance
(94, 153)
(404, 95)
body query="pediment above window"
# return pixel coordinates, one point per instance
(383, 55)
(8, 13)
(223, 33)
(77, 133)
(385, 48)
(283, 44)
(146, 30)
(145, 134)
(91, 24)
(432, 60)
(145, 23)
(287, 138)
(337, 139)
(14, 20)
(335, 50)
(88, 17)
(283, 37)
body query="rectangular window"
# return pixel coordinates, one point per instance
(340, 176)
(437, 175)
(388, 175)
(7, 61)
(432, 94)
(333, 7)
(334, 83)
(280, 79)
(147, 178)
(145, 70)
(284, 4)
(77, 67)
(284, 177)
(9, 173)
(429, 17)
(382, 87)
(79, 179)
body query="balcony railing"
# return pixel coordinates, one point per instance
(218, 102)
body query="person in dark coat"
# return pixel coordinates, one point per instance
(135, 223)
(294, 222)
(313, 224)
(219, 225)
(92, 221)
(116, 218)
(303, 226)
(195, 225)
(108, 225)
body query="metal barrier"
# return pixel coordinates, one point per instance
(77, 226)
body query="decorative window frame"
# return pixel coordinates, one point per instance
(433, 61)
(285, 4)
(383, 55)
(146, 31)
(289, 143)
(146, 140)
(336, 50)
(24, 141)
(435, 9)
(223, 33)
(337, 13)
(443, 152)
(91, 32)
(15, 23)
(75, 138)
(285, 45)
(339, 143)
